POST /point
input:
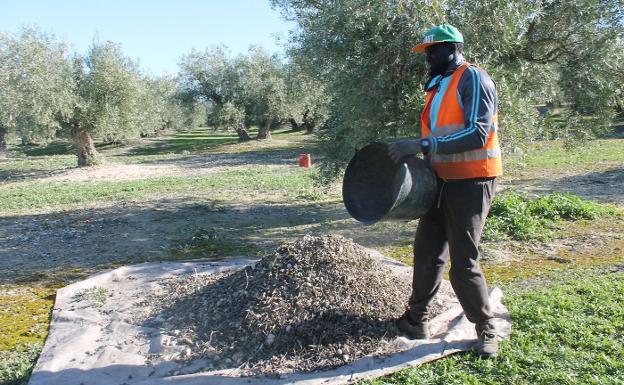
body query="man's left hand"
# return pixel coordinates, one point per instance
(402, 148)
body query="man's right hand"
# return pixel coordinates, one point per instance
(398, 150)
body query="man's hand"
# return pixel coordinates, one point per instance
(402, 148)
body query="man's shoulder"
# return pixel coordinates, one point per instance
(477, 74)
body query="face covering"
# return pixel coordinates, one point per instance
(438, 57)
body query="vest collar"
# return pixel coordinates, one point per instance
(435, 81)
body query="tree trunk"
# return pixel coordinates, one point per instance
(85, 150)
(3, 143)
(243, 136)
(309, 123)
(294, 125)
(310, 127)
(264, 133)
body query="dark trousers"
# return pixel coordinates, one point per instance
(453, 226)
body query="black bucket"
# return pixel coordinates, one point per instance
(375, 188)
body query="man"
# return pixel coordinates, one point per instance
(459, 137)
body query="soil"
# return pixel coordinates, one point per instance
(316, 303)
(602, 183)
(39, 244)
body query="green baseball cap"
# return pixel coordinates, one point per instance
(439, 34)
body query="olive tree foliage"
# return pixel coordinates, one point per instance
(107, 90)
(230, 115)
(567, 54)
(241, 91)
(160, 106)
(309, 100)
(35, 86)
(557, 52)
(263, 90)
(210, 77)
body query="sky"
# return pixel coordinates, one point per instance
(157, 33)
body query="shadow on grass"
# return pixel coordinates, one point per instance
(199, 140)
(260, 157)
(601, 186)
(32, 174)
(39, 246)
(182, 143)
(60, 148)
(53, 148)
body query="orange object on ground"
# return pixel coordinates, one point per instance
(305, 160)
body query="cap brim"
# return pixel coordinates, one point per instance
(421, 47)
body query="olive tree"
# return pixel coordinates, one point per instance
(308, 100)
(35, 86)
(173, 111)
(159, 106)
(7, 93)
(106, 90)
(229, 115)
(242, 91)
(538, 52)
(211, 77)
(262, 90)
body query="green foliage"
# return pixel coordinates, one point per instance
(35, 79)
(107, 91)
(95, 295)
(247, 90)
(518, 216)
(309, 100)
(565, 333)
(228, 116)
(262, 86)
(510, 215)
(15, 366)
(158, 106)
(47, 94)
(565, 206)
(560, 53)
(211, 77)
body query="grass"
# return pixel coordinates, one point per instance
(42, 163)
(516, 215)
(287, 182)
(50, 149)
(204, 139)
(198, 140)
(95, 295)
(16, 366)
(24, 313)
(570, 332)
(553, 155)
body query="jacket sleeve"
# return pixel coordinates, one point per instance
(479, 101)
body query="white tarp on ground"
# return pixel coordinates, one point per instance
(98, 345)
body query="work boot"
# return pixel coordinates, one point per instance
(487, 340)
(413, 330)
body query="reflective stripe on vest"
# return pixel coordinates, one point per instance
(468, 155)
(478, 163)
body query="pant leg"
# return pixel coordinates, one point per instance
(466, 205)
(430, 255)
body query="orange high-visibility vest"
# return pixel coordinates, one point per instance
(479, 163)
